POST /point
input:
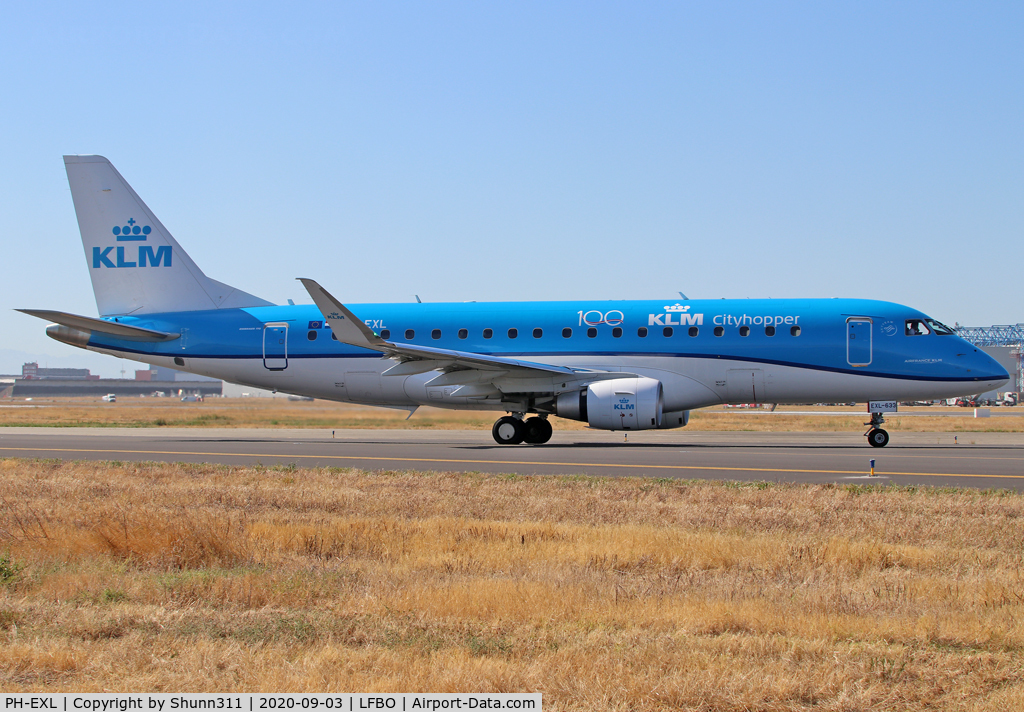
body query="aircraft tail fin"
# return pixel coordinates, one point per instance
(136, 266)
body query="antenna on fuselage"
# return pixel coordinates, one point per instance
(418, 300)
(686, 298)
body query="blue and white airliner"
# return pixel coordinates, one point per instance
(616, 365)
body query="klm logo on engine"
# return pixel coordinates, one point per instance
(678, 311)
(624, 404)
(131, 255)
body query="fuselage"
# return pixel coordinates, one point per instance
(705, 352)
(623, 365)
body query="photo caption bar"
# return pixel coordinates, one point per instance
(348, 702)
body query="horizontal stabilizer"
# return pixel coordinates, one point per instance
(88, 323)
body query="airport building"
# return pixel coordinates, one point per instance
(1009, 358)
(1004, 343)
(36, 382)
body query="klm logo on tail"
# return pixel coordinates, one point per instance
(145, 256)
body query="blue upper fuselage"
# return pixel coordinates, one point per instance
(806, 333)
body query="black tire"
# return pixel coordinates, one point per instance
(508, 431)
(878, 438)
(537, 431)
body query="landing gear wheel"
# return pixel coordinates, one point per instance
(508, 431)
(537, 431)
(878, 438)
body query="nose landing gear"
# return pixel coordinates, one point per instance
(875, 435)
(512, 430)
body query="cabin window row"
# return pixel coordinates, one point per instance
(642, 332)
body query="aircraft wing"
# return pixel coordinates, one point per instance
(111, 328)
(470, 370)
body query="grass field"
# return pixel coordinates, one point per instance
(280, 412)
(602, 594)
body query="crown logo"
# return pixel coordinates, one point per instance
(132, 232)
(677, 307)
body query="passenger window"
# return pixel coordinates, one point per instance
(667, 331)
(641, 332)
(916, 327)
(719, 330)
(566, 332)
(769, 331)
(410, 334)
(591, 332)
(435, 334)
(794, 331)
(513, 333)
(488, 333)
(744, 331)
(617, 332)
(384, 334)
(537, 333)
(311, 335)
(694, 331)
(463, 333)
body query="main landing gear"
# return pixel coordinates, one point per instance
(512, 430)
(876, 436)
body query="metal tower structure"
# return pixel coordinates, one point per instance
(999, 335)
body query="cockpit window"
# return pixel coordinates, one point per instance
(939, 328)
(916, 327)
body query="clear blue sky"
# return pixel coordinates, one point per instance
(501, 151)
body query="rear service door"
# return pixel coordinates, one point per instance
(858, 341)
(275, 347)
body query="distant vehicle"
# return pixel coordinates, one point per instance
(616, 365)
(109, 398)
(975, 402)
(191, 399)
(1010, 398)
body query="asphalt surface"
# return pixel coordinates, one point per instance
(980, 460)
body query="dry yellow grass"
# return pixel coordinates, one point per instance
(602, 594)
(280, 412)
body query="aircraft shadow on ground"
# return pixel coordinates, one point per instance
(553, 447)
(742, 446)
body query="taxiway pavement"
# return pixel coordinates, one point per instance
(981, 460)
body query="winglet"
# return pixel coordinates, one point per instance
(345, 325)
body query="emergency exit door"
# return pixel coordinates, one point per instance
(858, 341)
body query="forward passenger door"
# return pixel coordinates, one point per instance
(858, 341)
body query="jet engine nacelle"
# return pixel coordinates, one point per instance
(618, 404)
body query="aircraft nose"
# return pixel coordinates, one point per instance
(988, 368)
